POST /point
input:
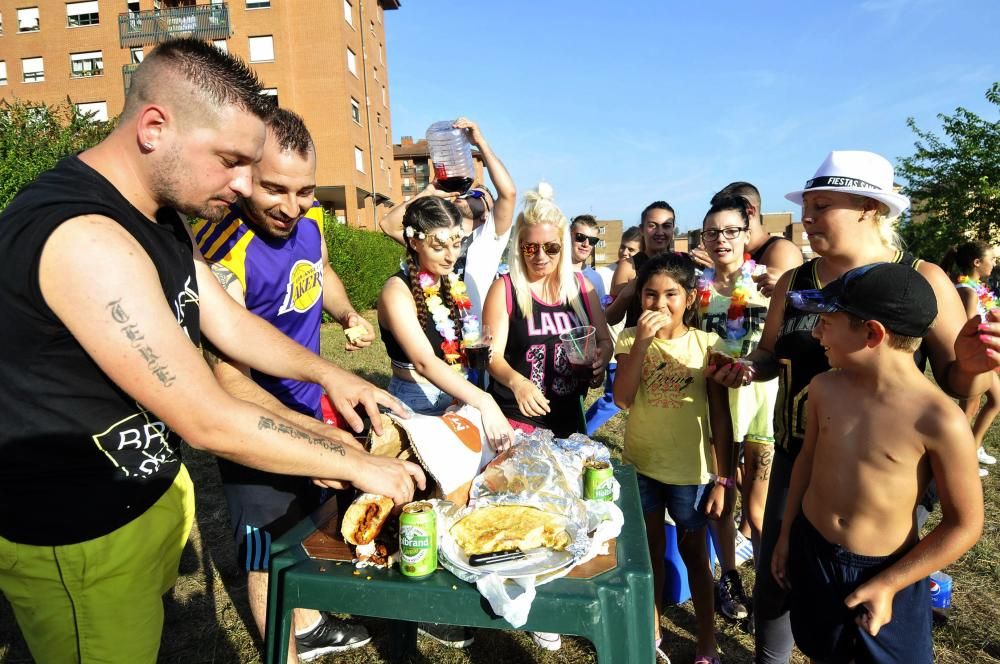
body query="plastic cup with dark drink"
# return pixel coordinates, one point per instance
(477, 355)
(580, 346)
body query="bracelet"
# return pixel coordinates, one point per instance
(727, 482)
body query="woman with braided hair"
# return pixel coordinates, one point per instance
(423, 314)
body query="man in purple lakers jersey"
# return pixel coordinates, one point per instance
(270, 256)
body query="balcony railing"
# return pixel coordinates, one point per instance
(127, 71)
(158, 25)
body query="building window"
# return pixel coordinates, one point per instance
(375, 73)
(600, 230)
(1, 23)
(27, 19)
(272, 93)
(380, 60)
(3, 73)
(349, 13)
(359, 159)
(90, 63)
(97, 110)
(355, 110)
(262, 49)
(372, 26)
(221, 45)
(352, 62)
(136, 55)
(601, 244)
(406, 182)
(82, 13)
(33, 69)
(385, 98)
(258, 4)
(381, 163)
(378, 119)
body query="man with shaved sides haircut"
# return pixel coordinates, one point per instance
(270, 255)
(105, 300)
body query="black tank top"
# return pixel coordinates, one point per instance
(392, 347)
(801, 358)
(762, 249)
(534, 351)
(78, 456)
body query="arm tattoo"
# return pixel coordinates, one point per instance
(223, 275)
(268, 424)
(136, 339)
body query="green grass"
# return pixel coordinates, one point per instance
(206, 616)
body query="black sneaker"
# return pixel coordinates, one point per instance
(453, 636)
(732, 600)
(330, 635)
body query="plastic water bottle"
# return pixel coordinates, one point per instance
(940, 590)
(451, 154)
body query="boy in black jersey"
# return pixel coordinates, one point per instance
(849, 549)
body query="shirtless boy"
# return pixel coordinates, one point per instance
(878, 431)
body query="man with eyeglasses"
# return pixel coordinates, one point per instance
(583, 238)
(486, 221)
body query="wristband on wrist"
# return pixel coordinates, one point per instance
(727, 482)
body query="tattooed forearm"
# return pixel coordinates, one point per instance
(223, 275)
(268, 424)
(137, 339)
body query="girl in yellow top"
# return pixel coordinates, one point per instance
(661, 380)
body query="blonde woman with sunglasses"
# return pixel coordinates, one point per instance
(528, 309)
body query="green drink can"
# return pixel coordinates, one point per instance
(418, 541)
(598, 480)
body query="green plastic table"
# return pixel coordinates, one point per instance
(614, 610)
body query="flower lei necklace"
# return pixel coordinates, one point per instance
(987, 300)
(738, 300)
(452, 347)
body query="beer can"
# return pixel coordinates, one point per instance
(418, 541)
(598, 480)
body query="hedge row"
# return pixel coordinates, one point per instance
(362, 259)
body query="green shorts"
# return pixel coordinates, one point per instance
(100, 600)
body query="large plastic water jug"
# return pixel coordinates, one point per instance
(451, 155)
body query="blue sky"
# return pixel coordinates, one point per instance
(621, 103)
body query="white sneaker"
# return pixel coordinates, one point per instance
(986, 459)
(983, 472)
(547, 640)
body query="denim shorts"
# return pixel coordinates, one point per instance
(685, 502)
(421, 398)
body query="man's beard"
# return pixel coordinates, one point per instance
(168, 186)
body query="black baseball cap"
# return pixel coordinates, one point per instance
(895, 295)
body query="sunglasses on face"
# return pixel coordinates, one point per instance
(731, 233)
(581, 237)
(550, 248)
(473, 193)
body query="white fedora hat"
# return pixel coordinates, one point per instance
(856, 172)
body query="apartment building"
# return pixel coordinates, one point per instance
(609, 233)
(324, 59)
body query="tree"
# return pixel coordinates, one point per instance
(953, 182)
(33, 138)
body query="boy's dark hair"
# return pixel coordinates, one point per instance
(741, 189)
(680, 268)
(959, 259)
(290, 132)
(587, 220)
(424, 215)
(632, 234)
(727, 203)
(222, 79)
(657, 205)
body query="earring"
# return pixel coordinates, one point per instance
(147, 146)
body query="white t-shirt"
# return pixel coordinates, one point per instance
(482, 261)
